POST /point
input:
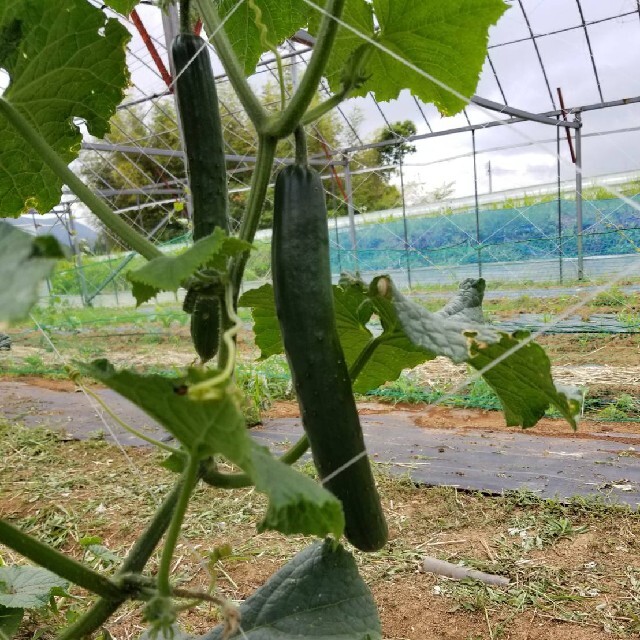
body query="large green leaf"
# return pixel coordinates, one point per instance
(318, 595)
(25, 262)
(393, 351)
(297, 504)
(282, 18)
(168, 273)
(447, 39)
(204, 428)
(65, 60)
(520, 371)
(125, 7)
(265, 321)
(10, 620)
(23, 587)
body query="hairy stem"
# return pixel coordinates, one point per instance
(301, 145)
(140, 553)
(323, 108)
(301, 99)
(189, 481)
(97, 205)
(185, 6)
(364, 356)
(60, 564)
(231, 64)
(251, 218)
(216, 478)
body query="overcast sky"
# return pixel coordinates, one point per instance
(565, 56)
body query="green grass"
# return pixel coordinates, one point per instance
(570, 562)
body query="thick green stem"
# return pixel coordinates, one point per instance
(301, 99)
(251, 218)
(323, 108)
(364, 356)
(185, 26)
(57, 562)
(216, 478)
(97, 205)
(231, 65)
(140, 553)
(301, 146)
(189, 481)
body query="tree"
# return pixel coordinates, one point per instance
(393, 154)
(111, 172)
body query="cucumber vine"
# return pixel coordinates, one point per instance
(202, 408)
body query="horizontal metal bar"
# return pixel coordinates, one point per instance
(520, 113)
(176, 153)
(486, 125)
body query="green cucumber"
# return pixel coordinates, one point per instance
(304, 304)
(204, 149)
(205, 330)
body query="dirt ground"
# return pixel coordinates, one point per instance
(574, 569)
(579, 583)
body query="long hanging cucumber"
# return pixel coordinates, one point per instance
(304, 304)
(204, 148)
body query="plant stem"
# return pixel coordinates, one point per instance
(97, 205)
(301, 146)
(251, 218)
(231, 64)
(301, 99)
(189, 481)
(216, 478)
(60, 564)
(134, 562)
(365, 355)
(185, 27)
(324, 107)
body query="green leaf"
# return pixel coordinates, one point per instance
(318, 595)
(168, 273)
(204, 427)
(25, 262)
(444, 38)
(65, 60)
(297, 504)
(125, 7)
(394, 352)
(521, 375)
(282, 18)
(10, 620)
(523, 380)
(265, 321)
(23, 587)
(174, 632)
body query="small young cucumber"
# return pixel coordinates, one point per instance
(205, 329)
(304, 304)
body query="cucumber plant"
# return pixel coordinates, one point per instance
(323, 328)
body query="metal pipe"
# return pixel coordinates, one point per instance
(350, 212)
(477, 205)
(407, 252)
(558, 174)
(579, 198)
(497, 123)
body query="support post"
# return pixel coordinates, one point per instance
(407, 251)
(579, 238)
(77, 255)
(558, 177)
(336, 203)
(350, 211)
(477, 206)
